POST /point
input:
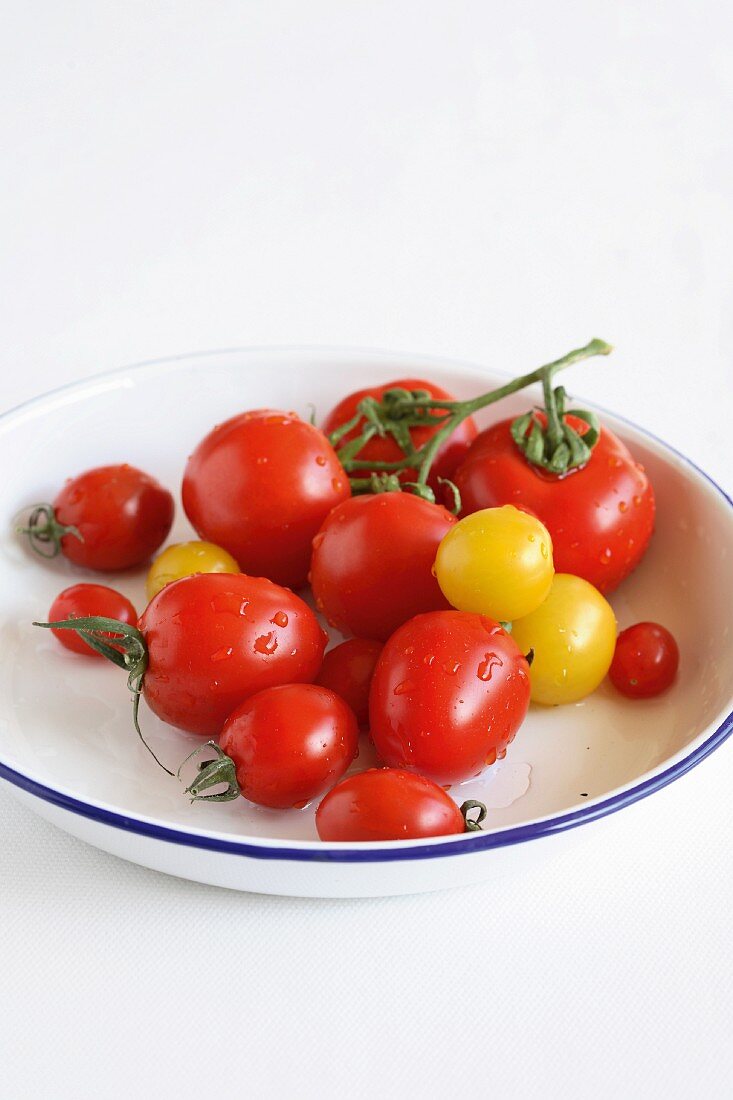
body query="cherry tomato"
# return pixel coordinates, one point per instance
(573, 634)
(600, 517)
(449, 694)
(387, 804)
(260, 485)
(185, 558)
(214, 639)
(348, 669)
(290, 744)
(372, 562)
(109, 518)
(81, 600)
(645, 662)
(497, 562)
(387, 449)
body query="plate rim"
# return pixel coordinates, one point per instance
(316, 851)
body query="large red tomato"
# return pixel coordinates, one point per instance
(260, 485)
(290, 743)
(372, 562)
(387, 449)
(448, 695)
(108, 518)
(214, 639)
(387, 804)
(600, 517)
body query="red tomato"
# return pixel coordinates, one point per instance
(645, 661)
(122, 515)
(214, 639)
(290, 744)
(348, 669)
(388, 450)
(88, 599)
(600, 517)
(387, 804)
(372, 562)
(449, 693)
(260, 485)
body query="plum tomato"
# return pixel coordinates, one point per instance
(260, 486)
(497, 562)
(347, 669)
(449, 693)
(600, 516)
(645, 661)
(572, 634)
(387, 804)
(289, 744)
(214, 639)
(386, 449)
(81, 600)
(185, 558)
(108, 518)
(372, 562)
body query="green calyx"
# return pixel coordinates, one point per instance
(556, 447)
(473, 824)
(212, 773)
(44, 531)
(126, 649)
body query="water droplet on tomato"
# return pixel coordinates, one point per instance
(261, 460)
(301, 804)
(266, 643)
(491, 758)
(320, 460)
(487, 666)
(318, 539)
(623, 506)
(637, 501)
(606, 556)
(336, 484)
(451, 667)
(544, 551)
(279, 618)
(223, 653)
(403, 687)
(429, 659)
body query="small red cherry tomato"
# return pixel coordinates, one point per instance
(449, 694)
(81, 600)
(600, 517)
(260, 486)
(387, 804)
(372, 566)
(109, 518)
(645, 661)
(348, 669)
(214, 639)
(290, 743)
(386, 449)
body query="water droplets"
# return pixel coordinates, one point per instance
(279, 619)
(451, 667)
(623, 506)
(266, 643)
(223, 653)
(544, 550)
(404, 687)
(320, 460)
(487, 666)
(606, 556)
(637, 501)
(429, 659)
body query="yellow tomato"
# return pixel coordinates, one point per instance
(573, 635)
(496, 562)
(184, 558)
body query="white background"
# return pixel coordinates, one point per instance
(486, 180)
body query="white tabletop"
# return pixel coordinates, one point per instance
(494, 182)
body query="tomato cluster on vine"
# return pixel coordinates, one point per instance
(468, 571)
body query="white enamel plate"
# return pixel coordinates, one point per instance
(67, 746)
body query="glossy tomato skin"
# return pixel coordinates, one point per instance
(372, 563)
(290, 744)
(122, 514)
(214, 639)
(260, 486)
(449, 694)
(387, 450)
(347, 669)
(645, 662)
(600, 517)
(387, 804)
(81, 600)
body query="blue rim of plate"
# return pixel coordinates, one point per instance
(448, 847)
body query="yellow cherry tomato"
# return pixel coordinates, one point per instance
(573, 635)
(184, 558)
(496, 562)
